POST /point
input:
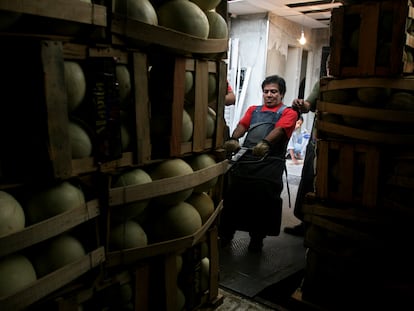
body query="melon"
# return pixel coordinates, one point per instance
(172, 168)
(56, 253)
(124, 83)
(205, 274)
(373, 96)
(204, 249)
(139, 10)
(199, 162)
(175, 222)
(131, 210)
(75, 83)
(354, 40)
(401, 101)
(217, 25)
(16, 273)
(339, 96)
(179, 263)
(355, 121)
(180, 299)
(187, 127)
(211, 122)
(80, 142)
(126, 235)
(53, 201)
(207, 5)
(125, 137)
(184, 16)
(203, 203)
(12, 217)
(189, 81)
(212, 86)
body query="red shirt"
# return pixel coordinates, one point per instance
(287, 121)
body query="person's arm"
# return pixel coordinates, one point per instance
(309, 104)
(230, 97)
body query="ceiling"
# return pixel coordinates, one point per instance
(309, 13)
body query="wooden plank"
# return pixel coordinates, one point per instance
(370, 136)
(346, 167)
(222, 90)
(322, 182)
(201, 105)
(52, 281)
(177, 106)
(82, 12)
(48, 228)
(366, 113)
(368, 39)
(140, 33)
(141, 288)
(142, 110)
(56, 107)
(122, 195)
(170, 282)
(406, 83)
(371, 177)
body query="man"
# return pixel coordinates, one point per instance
(308, 171)
(252, 200)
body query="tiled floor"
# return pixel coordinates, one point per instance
(233, 300)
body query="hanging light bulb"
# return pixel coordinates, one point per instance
(302, 39)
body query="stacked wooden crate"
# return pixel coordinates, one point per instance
(357, 219)
(117, 117)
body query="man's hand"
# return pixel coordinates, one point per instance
(232, 145)
(261, 149)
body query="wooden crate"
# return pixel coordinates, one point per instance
(368, 39)
(169, 100)
(344, 112)
(348, 173)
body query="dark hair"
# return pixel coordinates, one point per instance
(277, 80)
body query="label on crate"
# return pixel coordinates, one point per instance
(104, 92)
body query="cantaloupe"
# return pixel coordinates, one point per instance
(16, 273)
(199, 162)
(172, 168)
(55, 253)
(139, 10)
(53, 201)
(126, 235)
(127, 211)
(339, 96)
(180, 299)
(80, 142)
(184, 16)
(203, 203)
(12, 217)
(189, 81)
(401, 101)
(205, 274)
(187, 128)
(175, 222)
(125, 137)
(75, 84)
(124, 83)
(218, 25)
(206, 5)
(373, 96)
(212, 86)
(211, 122)
(179, 263)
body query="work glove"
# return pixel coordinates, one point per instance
(231, 145)
(261, 149)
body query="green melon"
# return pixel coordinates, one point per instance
(75, 84)
(180, 299)
(207, 5)
(175, 222)
(80, 142)
(205, 274)
(211, 122)
(53, 201)
(16, 273)
(124, 81)
(199, 162)
(12, 217)
(203, 203)
(373, 96)
(139, 10)
(184, 16)
(189, 81)
(187, 127)
(218, 26)
(401, 101)
(126, 235)
(134, 209)
(355, 121)
(172, 168)
(212, 86)
(339, 96)
(56, 253)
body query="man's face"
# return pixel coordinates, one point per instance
(271, 95)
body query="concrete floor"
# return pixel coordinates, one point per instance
(237, 302)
